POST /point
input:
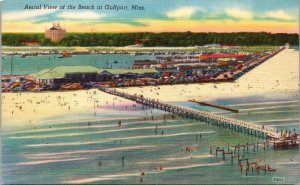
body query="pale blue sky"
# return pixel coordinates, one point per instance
(282, 12)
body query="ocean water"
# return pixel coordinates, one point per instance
(69, 151)
(32, 64)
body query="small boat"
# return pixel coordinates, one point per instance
(115, 62)
(65, 54)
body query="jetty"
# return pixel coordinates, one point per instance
(261, 131)
(215, 105)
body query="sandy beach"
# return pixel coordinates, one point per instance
(280, 74)
(31, 108)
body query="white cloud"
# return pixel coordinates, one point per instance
(24, 15)
(238, 13)
(183, 12)
(278, 14)
(86, 15)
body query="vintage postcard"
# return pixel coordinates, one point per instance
(150, 92)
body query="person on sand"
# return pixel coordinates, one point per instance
(241, 167)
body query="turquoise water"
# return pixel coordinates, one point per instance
(102, 141)
(33, 64)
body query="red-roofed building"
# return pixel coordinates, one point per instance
(223, 55)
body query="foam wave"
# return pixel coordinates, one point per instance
(273, 107)
(64, 121)
(259, 112)
(151, 162)
(264, 103)
(193, 166)
(187, 157)
(90, 180)
(277, 120)
(65, 144)
(252, 176)
(63, 128)
(122, 176)
(102, 178)
(89, 127)
(93, 151)
(122, 138)
(166, 160)
(295, 162)
(50, 161)
(97, 132)
(165, 135)
(280, 125)
(49, 157)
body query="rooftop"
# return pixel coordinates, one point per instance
(56, 27)
(60, 72)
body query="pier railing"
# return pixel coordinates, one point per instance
(210, 118)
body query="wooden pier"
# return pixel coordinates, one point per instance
(209, 118)
(243, 161)
(215, 105)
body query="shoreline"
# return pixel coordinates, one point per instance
(271, 77)
(220, 77)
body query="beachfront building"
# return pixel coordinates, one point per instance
(55, 33)
(78, 74)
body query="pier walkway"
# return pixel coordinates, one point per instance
(209, 118)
